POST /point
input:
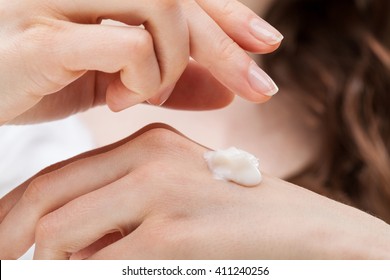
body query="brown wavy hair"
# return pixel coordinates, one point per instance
(335, 58)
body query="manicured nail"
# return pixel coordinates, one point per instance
(162, 96)
(260, 81)
(265, 32)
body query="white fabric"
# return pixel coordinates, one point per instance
(25, 150)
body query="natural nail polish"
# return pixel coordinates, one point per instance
(265, 32)
(260, 81)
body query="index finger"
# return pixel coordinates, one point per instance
(226, 60)
(243, 25)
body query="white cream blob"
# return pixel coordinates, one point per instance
(234, 165)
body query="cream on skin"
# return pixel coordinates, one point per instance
(234, 165)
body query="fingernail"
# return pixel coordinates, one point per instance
(260, 81)
(162, 96)
(265, 32)
(128, 101)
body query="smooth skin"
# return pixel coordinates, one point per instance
(151, 196)
(56, 58)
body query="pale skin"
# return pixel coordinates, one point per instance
(147, 188)
(147, 207)
(75, 63)
(258, 128)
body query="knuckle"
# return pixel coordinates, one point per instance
(37, 34)
(140, 175)
(228, 49)
(163, 140)
(38, 189)
(42, 38)
(41, 35)
(160, 137)
(160, 186)
(228, 8)
(3, 211)
(148, 178)
(142, 44)
(46, 229)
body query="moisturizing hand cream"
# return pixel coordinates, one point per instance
(234, 165)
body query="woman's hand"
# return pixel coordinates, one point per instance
(60, 47)
(152, 196)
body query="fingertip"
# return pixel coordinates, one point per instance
(244, 26)
(262, 86)
(265, 32)
(162, 96)
(255, 37)
(257, 47)
(263, 99)
(119, 98)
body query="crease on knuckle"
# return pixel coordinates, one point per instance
(46, 230)
(142, 44)
(228, 8)
(38, 189)
(167, 142)
(161, 137)
(228, 49)
(41, 34)
(43, 39)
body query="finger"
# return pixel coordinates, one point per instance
(162, 19)
(52, 190)
(48, 192)
(198, 89)
(9, 201)
(160, 98)
(213, 49)
(227, 61)
(12, 198)
(112, 49)
(243, 25)
(94, 215)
